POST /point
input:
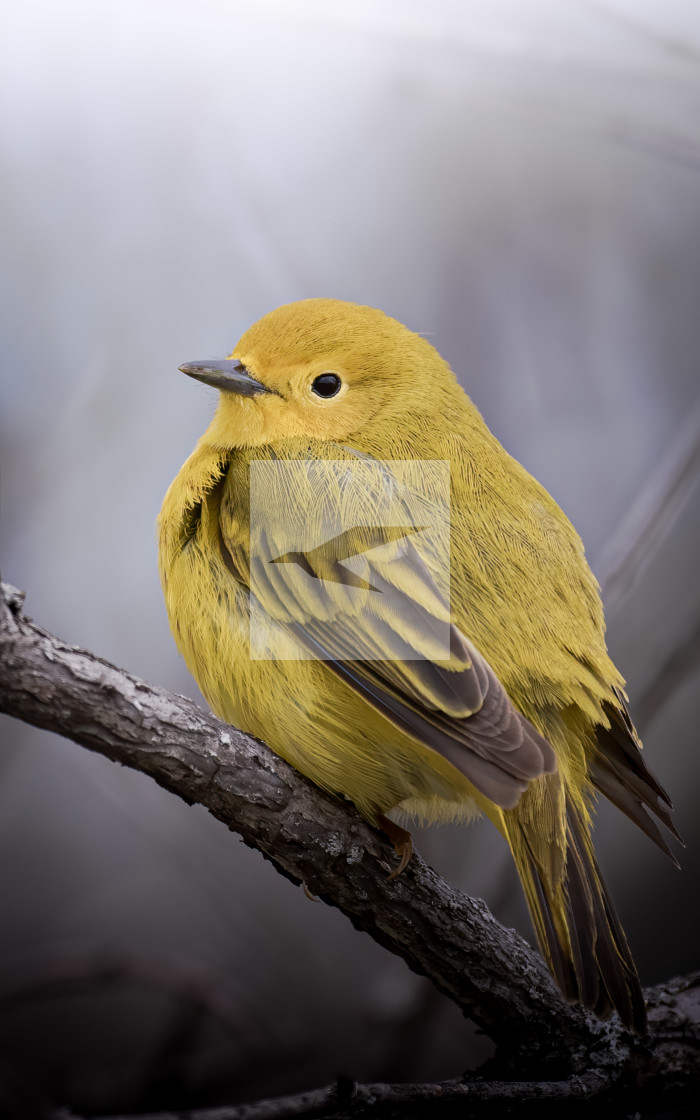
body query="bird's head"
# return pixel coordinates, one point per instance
(323, 369)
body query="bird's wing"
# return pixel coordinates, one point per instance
(387, 634)
(619, 771)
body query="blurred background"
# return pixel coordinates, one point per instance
(518, 179)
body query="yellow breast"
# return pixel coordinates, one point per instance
(299, 708)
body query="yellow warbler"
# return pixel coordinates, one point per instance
(481, 684)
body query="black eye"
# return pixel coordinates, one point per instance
(326, 384)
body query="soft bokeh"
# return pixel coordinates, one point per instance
(519, 180)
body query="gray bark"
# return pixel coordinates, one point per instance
(312, 838)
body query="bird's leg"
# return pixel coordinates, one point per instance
(401, 840)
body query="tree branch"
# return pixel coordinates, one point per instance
(402, 1100)
(612, 1087)
(312, 838)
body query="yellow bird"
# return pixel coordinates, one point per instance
(482, 685)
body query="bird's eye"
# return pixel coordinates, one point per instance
(326, 384)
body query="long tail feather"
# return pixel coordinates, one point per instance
(576, 925)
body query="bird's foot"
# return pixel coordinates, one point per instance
(311, 897)
(401, 840)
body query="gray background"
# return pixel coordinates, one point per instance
(518, 179)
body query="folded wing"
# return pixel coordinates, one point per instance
(385, 630)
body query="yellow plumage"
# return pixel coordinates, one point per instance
(405, 732)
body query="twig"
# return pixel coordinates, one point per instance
(652, 515)
(673, 44)
(348, 1099)
(617, 1084)
(671, 674)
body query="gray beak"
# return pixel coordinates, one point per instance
(229, 375)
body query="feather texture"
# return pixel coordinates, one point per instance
(481, 684)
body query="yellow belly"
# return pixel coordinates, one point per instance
(299, 708)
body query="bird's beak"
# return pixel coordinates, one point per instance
(229, 375)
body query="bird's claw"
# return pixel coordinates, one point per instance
(401, 840)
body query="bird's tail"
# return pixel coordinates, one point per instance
(576, 925)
